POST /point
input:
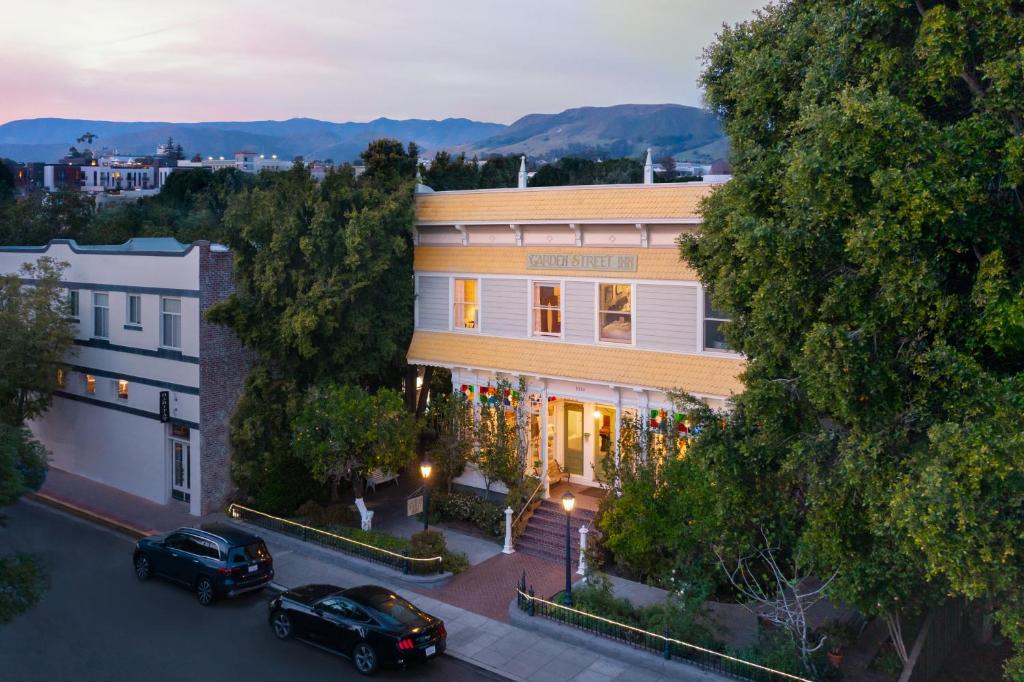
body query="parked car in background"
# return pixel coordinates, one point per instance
(371, 625)
(216, 561)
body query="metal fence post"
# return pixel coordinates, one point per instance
(667, 650)
(405, 563)
(530, 608)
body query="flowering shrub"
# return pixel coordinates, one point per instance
(456, 506)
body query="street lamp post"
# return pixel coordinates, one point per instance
(568, 502)
(425, 469)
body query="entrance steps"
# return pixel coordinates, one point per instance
(544, 536)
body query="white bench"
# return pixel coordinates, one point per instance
(379, 476)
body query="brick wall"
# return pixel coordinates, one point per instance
(224, 364)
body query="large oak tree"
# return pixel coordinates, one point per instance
(869, 249)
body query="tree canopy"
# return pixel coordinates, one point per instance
(324, 274)
(34, 336)
(342, 432)
(869, 249)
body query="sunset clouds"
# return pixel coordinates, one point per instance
(188, 60)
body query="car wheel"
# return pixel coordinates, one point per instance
(143, 569)
(282, 624)
(205, 592)
(365, 658)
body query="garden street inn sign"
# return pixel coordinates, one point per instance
(562, 261)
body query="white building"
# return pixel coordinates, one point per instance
(245, 161)
(143, 401)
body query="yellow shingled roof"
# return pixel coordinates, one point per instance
(704, 375)
(629, 203)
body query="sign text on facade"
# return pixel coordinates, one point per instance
(562, 261)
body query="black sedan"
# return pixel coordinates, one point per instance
(371, 625)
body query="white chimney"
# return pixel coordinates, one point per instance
(648, 169)
(522, 172)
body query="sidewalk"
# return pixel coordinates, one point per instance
(486, 639)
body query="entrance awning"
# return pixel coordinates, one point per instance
(700, 375)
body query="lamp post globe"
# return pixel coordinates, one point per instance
(568, 502)
(425, 469)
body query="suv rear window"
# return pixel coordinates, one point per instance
(254, 551)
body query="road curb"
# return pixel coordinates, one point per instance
(114, 524)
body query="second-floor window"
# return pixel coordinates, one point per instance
(547, 309)
(170, 322)
(122, 389)
(133, 314)
(101, 316)
(90, 384)
(466, 313)
(615, 313)
(714, 336)
(73, 304)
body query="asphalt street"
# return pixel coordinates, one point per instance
(97, 622)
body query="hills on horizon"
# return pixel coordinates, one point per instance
(688, 133)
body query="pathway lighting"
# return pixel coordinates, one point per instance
(425, 469)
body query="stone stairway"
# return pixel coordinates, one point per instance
(544, 536)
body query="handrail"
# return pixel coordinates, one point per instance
(530, 597)
(234, 505)
(527, 505)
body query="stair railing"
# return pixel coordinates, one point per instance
(516, 527)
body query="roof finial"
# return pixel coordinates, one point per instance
(522, 172)
(648, 169)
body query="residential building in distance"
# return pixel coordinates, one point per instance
(143, 401)
(243, 160)
(580, 292)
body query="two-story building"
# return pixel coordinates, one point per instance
(581, 292)
(143, 400)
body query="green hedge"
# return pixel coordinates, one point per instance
(424, 544)
(457, 506)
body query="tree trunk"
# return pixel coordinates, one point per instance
(421, 402)
(411, 372)
(365, 516)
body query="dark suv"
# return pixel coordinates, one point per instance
(216, 561)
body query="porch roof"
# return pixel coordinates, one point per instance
(701, 375)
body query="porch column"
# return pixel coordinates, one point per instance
(617, 484)
(544, 441)
(642, 406)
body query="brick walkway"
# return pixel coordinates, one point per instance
(487, 588)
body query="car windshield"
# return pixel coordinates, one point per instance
(254, 551)
(397, 611)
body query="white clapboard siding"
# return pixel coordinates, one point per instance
(666, 318)
(433, 302)
(503, 307)
(579, 312)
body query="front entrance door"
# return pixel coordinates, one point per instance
(181, 470)
(574, 438)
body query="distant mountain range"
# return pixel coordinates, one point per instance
(687, 133)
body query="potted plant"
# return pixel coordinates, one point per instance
(836, 639)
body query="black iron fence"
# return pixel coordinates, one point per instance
(398, 560)
(662, 644)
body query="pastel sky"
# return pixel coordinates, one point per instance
(350, 60)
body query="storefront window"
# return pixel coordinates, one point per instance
(467, 304)
(615, 313)
(547, 309)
